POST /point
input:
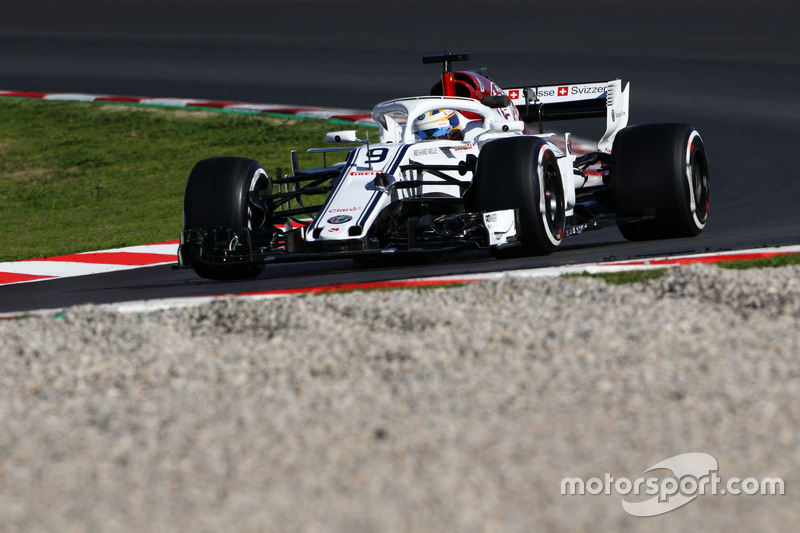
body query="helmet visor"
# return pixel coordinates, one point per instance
(435, 133)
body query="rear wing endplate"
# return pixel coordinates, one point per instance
(540, 103)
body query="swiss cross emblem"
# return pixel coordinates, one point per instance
(513, 94)
(562, 91)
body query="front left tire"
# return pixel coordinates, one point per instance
(522, 173)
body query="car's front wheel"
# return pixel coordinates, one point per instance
(522, 173)
(218, 197)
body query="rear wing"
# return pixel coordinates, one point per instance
(540, 103)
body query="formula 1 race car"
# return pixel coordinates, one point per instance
(468, 167)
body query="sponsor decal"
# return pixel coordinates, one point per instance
(333, 229)
(559, 91)
(344, 210)
(364, 173)
(597, 89)
(339, 219)
(425, 151)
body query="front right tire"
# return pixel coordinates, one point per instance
(218, 195)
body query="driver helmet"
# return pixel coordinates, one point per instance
(437, 124)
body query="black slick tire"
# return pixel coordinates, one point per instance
(660, 181)
(521, 173)
(218, 196)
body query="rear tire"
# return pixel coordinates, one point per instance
(659, 175)
(218, 196)
(521, 173)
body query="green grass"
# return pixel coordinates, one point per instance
(78, 177)
(769, 262)
(635, 276)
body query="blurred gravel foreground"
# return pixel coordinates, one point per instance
(456, 409)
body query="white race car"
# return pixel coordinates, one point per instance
(468, 167)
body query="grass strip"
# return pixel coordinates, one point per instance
(780, 260)
(636, 276)
(77, 177)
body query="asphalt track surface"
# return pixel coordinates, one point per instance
(730, 69)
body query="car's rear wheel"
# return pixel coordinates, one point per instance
(522, 173)
(660, 181)
(218, 195)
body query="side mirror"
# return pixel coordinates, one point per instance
(347, 136)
